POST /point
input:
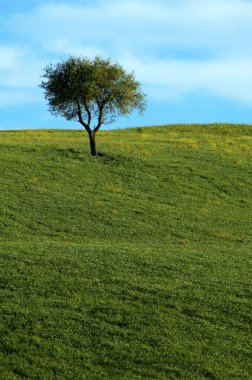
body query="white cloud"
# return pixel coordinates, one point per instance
(9, 57)
(176, 47)
(19, 73)
(140, 25)
(66, 46)
(174, 79)
(19, 67)
(17, 97)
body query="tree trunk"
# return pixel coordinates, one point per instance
(92, 143)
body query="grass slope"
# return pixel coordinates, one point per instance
(131, 265)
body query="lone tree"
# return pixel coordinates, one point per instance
(86, 90)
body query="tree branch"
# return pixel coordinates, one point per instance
(85, 125)
(100, 121)
(88, 112)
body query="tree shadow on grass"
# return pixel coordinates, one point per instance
(103, 157)
(72, 153)
(117, 159)
(75, 154)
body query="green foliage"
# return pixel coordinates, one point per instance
(95, 88)
(135, 265)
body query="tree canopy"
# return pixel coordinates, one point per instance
(92, 92)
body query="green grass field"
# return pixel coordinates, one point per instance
(131, 265)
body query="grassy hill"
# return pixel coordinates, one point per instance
(131, 265)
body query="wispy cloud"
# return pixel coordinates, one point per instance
(175, 47)
(19, 67)
(139, 24)
(67, 46)
(9, 57)
(18, 97)
(224, 77)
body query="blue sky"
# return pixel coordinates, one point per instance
(192, 57)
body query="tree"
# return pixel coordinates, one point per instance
(82, 89)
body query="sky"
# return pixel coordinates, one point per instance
(193, 58)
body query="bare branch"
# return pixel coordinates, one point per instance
(88, 112)
(100, 118)
(85, 125)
